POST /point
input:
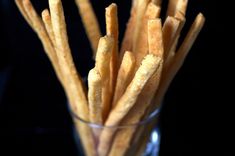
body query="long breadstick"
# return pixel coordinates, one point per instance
(157, 2)
(170, 27)
(178, 59)
(171, 8)
(179, 13)
(90, 23)
(95, 96)
(72, 79)
(103, 58)
(125, 75)
(27, 8)
(123, 137)
(112, 30)
(141, 48)
(155, 37)
(23, 12)
(182, 6)
(149, 65)
(141, 6)
(65, 58)
(46, 17)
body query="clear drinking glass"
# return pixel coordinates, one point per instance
(139, 139)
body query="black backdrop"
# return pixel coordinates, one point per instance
(34, 119)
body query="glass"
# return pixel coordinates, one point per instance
(143, 140)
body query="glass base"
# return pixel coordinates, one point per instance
(152, 147)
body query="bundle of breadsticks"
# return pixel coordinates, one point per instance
(127, 83)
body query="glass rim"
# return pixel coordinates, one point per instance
(154, 114)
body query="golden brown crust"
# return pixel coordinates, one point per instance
(125, 75)
(90, 23)
(71, 77)
(46, 17)
(111, 17)
(103, 58)
(141, 48)
(178, 59)
(149, 65)
(95, 96)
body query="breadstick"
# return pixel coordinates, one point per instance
(46, 17)
(175, 5)
(170, 27)
(141, 6)
(123, 137)
(182, 6)
(157, 2)
(141, 48)
(149, 65)
(103, 57)
(65, 58)
(90, 23)
(178, 59)
(172, 48)
(72, 79)
(37, 25)
(23, 12)
(155, 37)
(94, 96)
(125, 75)
(179, 13)
(112, 30)
(171, 8)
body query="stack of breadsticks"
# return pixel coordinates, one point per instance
(125, 85)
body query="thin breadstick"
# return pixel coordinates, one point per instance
(155, 37)
(179, 13)
(103, 58)
(170, 27)
(90, 23)
(134, 3)
(65, 57)
(72, 79)
(157, 2)
(141, 6)
(112, 30)
(177, 5)
(172, 48)
(38, 27)
(149, 65)
(23, 12)
(171, 8)
(125, 75)
(141, 48)
(178, 59)
(123, 137)
(95, 96)
(182, 6)
(46, 17)
(36, 21)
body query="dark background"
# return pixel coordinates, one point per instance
(34, 119)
